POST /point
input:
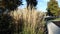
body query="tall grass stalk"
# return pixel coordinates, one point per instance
(30, 21)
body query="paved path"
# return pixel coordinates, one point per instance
(52, 28)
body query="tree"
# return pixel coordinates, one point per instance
(13, 4)
(52, 8)
(6, 21)
(10, 4)
(32, 3)
(49, 13)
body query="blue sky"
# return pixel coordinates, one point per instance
(41, 6)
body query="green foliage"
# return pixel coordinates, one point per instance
(13, 4)
(10, 4)
(53, 7)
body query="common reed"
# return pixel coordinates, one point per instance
(28, 21)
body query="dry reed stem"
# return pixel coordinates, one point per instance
(32, 19)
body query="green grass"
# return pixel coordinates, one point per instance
(57, 19)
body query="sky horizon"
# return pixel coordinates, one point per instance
(41, 6)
